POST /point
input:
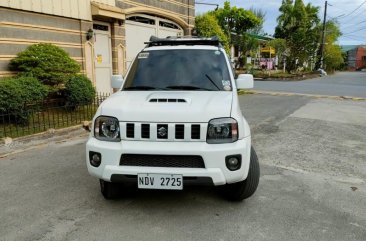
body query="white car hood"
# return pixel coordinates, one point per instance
(198, 106)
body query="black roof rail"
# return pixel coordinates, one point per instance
(186, 40)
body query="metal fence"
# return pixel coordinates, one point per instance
(50, 114)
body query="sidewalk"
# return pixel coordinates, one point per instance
(26, 143)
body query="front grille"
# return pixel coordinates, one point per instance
(130, 130)
(179, 132)
(196, 132)
(145, 131)
(162, 161)
(163, 131)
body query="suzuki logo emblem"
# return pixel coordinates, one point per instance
(162, 131)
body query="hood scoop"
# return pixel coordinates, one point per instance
(167, 100)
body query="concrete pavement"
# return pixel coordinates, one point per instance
(312, 186)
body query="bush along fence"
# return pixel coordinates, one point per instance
(34, 118)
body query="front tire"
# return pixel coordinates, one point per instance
(109, 190)
(244, 189)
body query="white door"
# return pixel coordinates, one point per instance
(139, 29)
(102, 57)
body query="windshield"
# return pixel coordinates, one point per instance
(181, 69)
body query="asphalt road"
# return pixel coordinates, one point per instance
(313, 170)
(340, 84)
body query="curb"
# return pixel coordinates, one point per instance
(308, 95)
(10, 146)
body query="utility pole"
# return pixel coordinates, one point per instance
(322, 47)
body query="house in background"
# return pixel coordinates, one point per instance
(356, 58)
(102, 35)
(264, 57)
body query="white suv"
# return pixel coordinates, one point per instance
(175, 120)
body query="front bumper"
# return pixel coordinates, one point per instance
(212, 154)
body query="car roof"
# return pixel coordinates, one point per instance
(175, 42)
(175, 47)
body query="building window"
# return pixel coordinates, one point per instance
(363, 58)
(100, 27)
(168, 25)
(142, 20)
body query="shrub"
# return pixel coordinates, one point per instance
(48, 63)
(20, 96)
(78, 91)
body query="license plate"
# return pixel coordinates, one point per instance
(160, 181)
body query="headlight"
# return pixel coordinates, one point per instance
(223, 130)
(107, 129)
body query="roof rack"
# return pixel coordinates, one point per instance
(185, 40)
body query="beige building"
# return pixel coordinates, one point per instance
(102, 35)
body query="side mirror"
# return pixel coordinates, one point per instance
(245, 81)
(116, 81)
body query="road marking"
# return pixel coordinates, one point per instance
(273, 93)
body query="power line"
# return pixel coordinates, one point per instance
(355, 9)
(358, 30)
(354, 38)
(350, 22)
(347, 18)
(364, 21)
(347, 24)
(339, 8)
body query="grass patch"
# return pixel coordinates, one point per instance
(245, 92)
(279, 74)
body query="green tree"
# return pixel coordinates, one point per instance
(261, 15)
(280, 46)
(333, 58)
(248, 46)
(285, 21)
(235, 20)
(207, 25)
(298, 25)
(48, 63)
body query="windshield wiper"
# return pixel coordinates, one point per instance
(208, 77)
(186, 87)
(141, 87)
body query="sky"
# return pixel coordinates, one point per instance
(351, 15)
